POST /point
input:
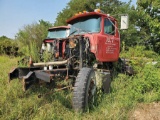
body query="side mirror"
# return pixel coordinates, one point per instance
(124, 22)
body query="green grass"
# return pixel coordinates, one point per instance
(126, 92)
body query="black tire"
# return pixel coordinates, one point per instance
(84, 89)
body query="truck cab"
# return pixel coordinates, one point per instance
(53, 43)
(102, 32)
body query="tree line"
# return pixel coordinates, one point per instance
(144, 23)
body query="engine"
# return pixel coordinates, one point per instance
(78, 48)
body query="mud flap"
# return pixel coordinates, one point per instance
(129, 70)
(126, 67)
(106, 82)
(103, 80)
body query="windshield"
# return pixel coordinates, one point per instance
(88, 24)
(57, 33)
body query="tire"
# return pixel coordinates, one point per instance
(84, 89)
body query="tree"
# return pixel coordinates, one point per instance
(8, 46)
(32, 35)
(4, 38)
(149, 22)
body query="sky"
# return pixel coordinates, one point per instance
(15, 14)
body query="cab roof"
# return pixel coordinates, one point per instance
(59, 27)
(69, 21)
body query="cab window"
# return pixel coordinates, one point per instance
(109, 27)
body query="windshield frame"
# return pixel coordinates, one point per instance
(78, 30)
(62, 31)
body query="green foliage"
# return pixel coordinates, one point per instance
(149, 22)
(8, 46)
(32, 51)
(47, 56)
(139, 56)
(139, 51)
(128, 91)
(146, 88)
(32, 36)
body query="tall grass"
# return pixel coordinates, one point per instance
(32, 50)
(126, 93)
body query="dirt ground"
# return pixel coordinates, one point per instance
(149, 111)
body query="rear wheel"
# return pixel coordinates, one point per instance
(84, 89)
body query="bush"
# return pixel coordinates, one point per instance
(8, 46)
(32, 36)
(32, 50)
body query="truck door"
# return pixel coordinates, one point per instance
(109, 43)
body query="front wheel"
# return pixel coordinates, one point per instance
(84, 89)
